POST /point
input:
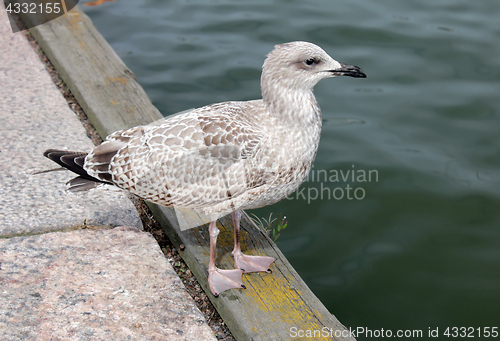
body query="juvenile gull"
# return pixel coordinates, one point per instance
(223, 157)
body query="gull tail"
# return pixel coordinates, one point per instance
(74, 162)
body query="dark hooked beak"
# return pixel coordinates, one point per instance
(349, 70)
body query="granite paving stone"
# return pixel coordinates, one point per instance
(106, 284)
(35, 117)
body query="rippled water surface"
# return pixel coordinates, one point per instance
(421, 248)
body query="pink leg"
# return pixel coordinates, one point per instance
(244, 262)
(220, 280)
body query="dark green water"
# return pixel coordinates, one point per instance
(421, 249)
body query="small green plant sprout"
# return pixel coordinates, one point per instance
(279, 225)
(271, 226)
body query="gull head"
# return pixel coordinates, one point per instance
(300, 66)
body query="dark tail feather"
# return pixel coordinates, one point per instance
(74, 161)
(80, 184)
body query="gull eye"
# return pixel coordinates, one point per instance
(309, 61)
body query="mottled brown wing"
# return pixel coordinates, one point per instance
(192, 160)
